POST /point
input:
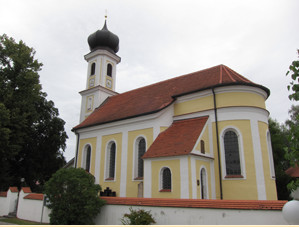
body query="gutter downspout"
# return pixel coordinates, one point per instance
(77, 148)
(218, 149)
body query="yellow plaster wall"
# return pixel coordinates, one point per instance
(174, 166)
(113, 185)
(194, 105)
(238, 188)
(132, 185)
(83, 142)
(206, 164)
(240, 99)
(269, 181)
(223, 100)
(205, 138)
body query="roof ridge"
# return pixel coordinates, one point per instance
(229, 75)
(238, 75)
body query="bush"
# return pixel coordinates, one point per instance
(73, 197)
(138, 217)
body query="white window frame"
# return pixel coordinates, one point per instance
(107, 161)
(84, 154)
(161, 178)
(135, 156)
(241, 152)
(206, 188)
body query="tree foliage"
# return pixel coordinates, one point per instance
(294, 84)
(292, 153)
(32, 136)
(74, 198)
(279, 139)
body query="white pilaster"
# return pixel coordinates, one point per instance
(184, 177)
(259, 170)
(123, 173)
(147, 179)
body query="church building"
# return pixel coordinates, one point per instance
(202, 135)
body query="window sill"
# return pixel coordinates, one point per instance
(165, 190)
(138, 178)
(233, 176)
(109, 179)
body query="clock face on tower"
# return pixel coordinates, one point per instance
(108, 83)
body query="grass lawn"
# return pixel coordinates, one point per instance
(20, 221)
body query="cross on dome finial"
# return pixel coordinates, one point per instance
(105, 14)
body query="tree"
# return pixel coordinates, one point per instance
(279, 139)
(73, 196)
(292, 153)
(32, 136)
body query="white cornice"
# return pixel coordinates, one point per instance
(95, 53)
(98, 88)
(127, 122)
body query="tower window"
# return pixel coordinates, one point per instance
(109, 70)
(166, 179)
(232, 156)
(93, 69)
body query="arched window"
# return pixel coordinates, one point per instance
(202, 147)
(109, 70)
(203, 186)
(111, 153)
(87, 156)
(232, 155)
(93, 69)
(166, 179)
(141, 151)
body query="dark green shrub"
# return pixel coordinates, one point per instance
(138, 217)
(73, 196)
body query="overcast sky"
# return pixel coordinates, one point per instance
(158, 40)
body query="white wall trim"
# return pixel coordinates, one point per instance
(147, 189)
(258, 159)
(124, 161)
(184, 175)
(97, 169)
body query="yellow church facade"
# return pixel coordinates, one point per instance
(203, 135)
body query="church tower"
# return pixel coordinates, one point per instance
(101, 71)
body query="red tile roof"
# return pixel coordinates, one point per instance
(26, 189)
(13, 189)
(3, 194)
(198, 203)
(35, 196)
(293, 171)
(185, 132)
(155, 97)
